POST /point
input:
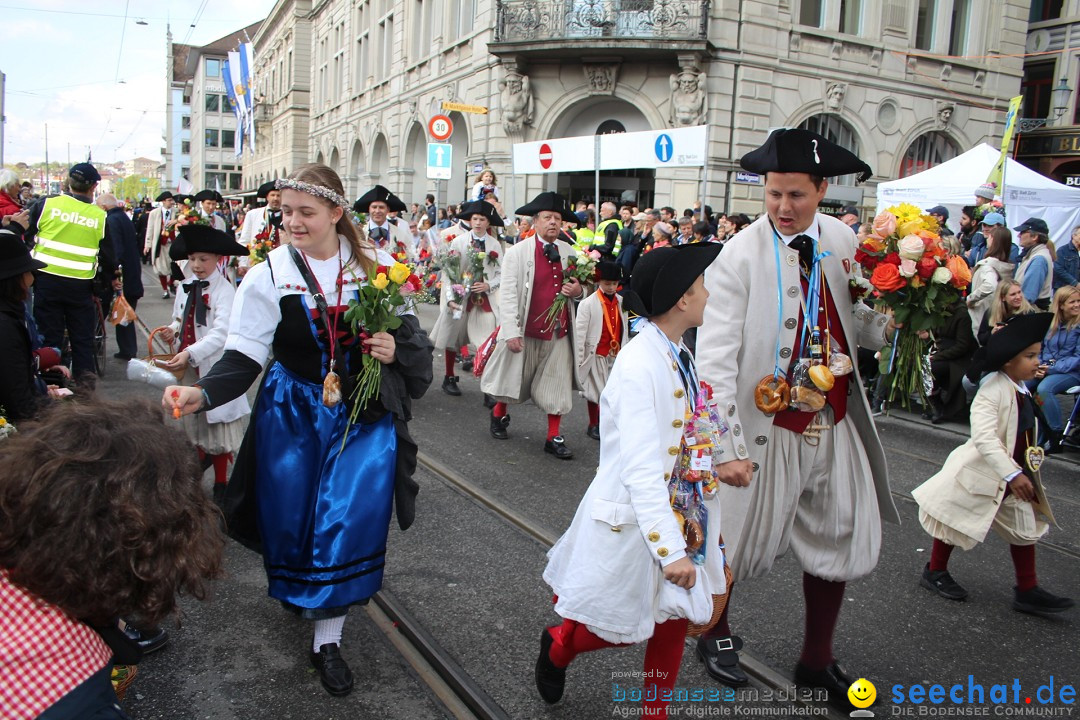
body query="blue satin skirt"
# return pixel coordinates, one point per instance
(323, 511)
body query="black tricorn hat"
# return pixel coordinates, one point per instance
(265, 189)
(181, 199)
(800, 151)
(193, 238)
(480, 207)
(550, 201)
(205, 195)
(15, 259)
(1020, 332)
(166, 195)
(379, 194)
(664, 274)
(607, 270)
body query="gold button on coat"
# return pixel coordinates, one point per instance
(679, 393)
(654, 536)
(662, 552)
(676, 423)
(673, 450)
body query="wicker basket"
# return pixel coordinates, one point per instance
(121, 686)
(719, 602)
(155, 359)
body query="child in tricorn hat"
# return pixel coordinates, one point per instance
(992, 480)
(600, 331)
(629, 568)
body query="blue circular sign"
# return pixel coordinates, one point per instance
(664, 148)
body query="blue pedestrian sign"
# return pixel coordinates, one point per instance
(440, 160)
(664, 148)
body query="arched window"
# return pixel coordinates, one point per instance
(928, 150)
(835, 130)
(610, 127)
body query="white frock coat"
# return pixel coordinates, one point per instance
(607, 568)
(588, 327)
(449, 332)
(737, 347)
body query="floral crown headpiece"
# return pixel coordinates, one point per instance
(311, 189)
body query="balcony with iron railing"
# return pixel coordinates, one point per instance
(563, 28)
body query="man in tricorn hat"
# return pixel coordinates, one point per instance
(384, 231)
(207, 203)
(534, 357)
(262, 219)
(159, 226)
(810, 477)
(469, 318)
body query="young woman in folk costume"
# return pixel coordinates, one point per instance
(470, 319)
(309, 490)
(201, 312)
(600, 331)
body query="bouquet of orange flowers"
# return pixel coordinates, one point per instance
(913, 276)
(263, 243)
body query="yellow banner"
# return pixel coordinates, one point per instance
(997, 175)
(476, 109)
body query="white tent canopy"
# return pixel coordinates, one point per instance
(952, 184)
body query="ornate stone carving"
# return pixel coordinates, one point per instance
(834, 96)
(944, 113)
(601, 77)
(687, 97)
(516, 100)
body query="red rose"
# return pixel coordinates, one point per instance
(865, 259)
(892, 259)
(414, 280)
(887, 278)
(382, 269)
(493, 256)
(926, 267)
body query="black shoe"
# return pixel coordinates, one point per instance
(593, 431)
(557, 447)
(489, 401)
(498, 426)
(467, 365)
(449, 385)
(333, 670)
(219, 494)
(165, 295)
(833, 680)
(1038, 601)
(121, 356)
(941, 582)
(149, 640)
(550, 680)
(721, 659)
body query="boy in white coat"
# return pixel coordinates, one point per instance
(200, 326)
(622, 572)
(992, 480)
(600, 331)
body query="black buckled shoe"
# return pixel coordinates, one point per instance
(467, 364)
(593, 431)
(941, 582)
(449, 385)
(489, 401)
(333, 670)
(1039, 602)
(550, 680)
(557, 447)
(721, 658)
(149, 640)
(833, 680)
(498, 426)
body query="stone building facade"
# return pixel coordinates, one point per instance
(904, 84)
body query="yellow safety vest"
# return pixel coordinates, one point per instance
(601, 231)
(69, 234)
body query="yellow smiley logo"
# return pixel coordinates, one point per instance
(862, 693)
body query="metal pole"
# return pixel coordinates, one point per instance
(48, 180)
(705, 175)
(596, 175)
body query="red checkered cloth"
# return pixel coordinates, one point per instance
(44, 653)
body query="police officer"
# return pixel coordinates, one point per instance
(69, 234)
(607, 237)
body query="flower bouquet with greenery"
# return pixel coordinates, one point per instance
(578, 267)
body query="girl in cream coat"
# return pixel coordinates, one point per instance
(621, 572)
(593, 361)
(992, 480)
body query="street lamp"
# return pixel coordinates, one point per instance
(1059, 104)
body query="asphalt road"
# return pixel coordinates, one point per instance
(474, 582)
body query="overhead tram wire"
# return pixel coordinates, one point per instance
(195, 21)
(120, 51)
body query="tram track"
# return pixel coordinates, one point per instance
(465, 689)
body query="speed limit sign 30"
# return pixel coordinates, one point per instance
(440, 127)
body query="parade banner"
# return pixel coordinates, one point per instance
(247, 64)
(230, 92)
(997, 175)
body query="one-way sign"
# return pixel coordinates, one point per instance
(440, 158)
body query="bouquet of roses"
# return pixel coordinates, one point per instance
(6, 428)
(189, 215)
(264, 242)
(450, 263)
(377, 309)
(912, 275)
(578, 267)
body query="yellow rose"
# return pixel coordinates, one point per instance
(381, 281)
(3, 422)
(399, 273)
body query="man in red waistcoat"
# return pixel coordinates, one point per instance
(534, 356)
(811, 478)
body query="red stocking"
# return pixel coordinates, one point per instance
(594, 413)
(221, 467)
(451, 357)
(939, 555)
(570, 640)
(499, 410)
(1023, 557)
(663, 655)
(553, 426)
(823, 600)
